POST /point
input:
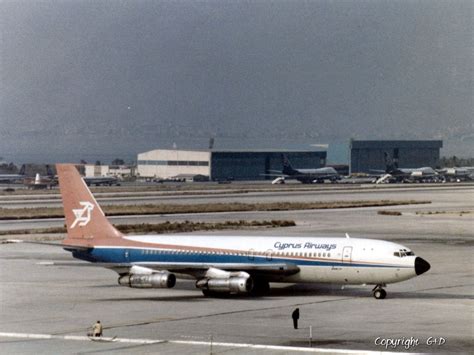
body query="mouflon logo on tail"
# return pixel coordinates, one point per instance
(83, 215)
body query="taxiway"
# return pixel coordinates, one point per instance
(64, 301)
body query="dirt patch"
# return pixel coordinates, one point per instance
(389, 213)
(169, 227)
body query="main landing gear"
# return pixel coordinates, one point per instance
(379, 292)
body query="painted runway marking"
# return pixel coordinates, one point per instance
(192, 342)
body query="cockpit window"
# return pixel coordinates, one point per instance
(403, 252)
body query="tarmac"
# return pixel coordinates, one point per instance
(48, 309)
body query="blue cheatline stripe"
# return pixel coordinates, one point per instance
(125, 255)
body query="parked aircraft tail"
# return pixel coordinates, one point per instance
(22, 170)
(49, 171)
(287, 168)
(85, 221)
(390, 164)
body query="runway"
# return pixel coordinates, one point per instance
(214, 347)
(66, 300)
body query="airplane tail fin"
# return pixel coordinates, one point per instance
(85, 221)
(389, 164)
(49, 171)
(287, 168)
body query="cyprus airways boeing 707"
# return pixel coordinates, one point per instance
(226, 264)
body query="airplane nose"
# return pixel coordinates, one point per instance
(421, 265)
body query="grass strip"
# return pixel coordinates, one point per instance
(169, 227)
(148, 209)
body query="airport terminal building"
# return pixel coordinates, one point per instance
(220, 165)
(369, 155)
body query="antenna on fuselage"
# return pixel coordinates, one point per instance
(347, 236)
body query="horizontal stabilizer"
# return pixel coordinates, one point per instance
(63, 246)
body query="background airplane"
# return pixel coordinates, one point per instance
(457, 173)
(41, 182)
(305, 176)
(396, 174)
(13, 178)
(101, 180)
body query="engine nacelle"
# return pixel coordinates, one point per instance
(156, 280)
(232, 284)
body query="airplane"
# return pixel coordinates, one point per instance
(457, 173)
(242, 265)
(12, 178)
(41, 182)
(393, 172)
(305, 176)
(101, 180)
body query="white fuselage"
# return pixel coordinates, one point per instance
(328, 260)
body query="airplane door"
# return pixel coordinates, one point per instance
(347, 254)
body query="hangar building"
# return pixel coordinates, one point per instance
(223, 164)
(369, 155)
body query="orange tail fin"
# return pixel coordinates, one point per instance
(86, 222)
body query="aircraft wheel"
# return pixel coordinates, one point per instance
(380, 294)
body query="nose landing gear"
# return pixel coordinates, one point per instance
(379, 292)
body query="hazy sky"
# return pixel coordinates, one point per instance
(105, 79)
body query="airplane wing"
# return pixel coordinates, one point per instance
(193, 269)
(279, 172)
(375, 171)
(277, 175)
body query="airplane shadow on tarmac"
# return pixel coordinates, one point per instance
(297, 290)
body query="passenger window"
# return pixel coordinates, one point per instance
(324, 255)
(329, 255)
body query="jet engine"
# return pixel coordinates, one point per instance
(155, 280)
(231, 284)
